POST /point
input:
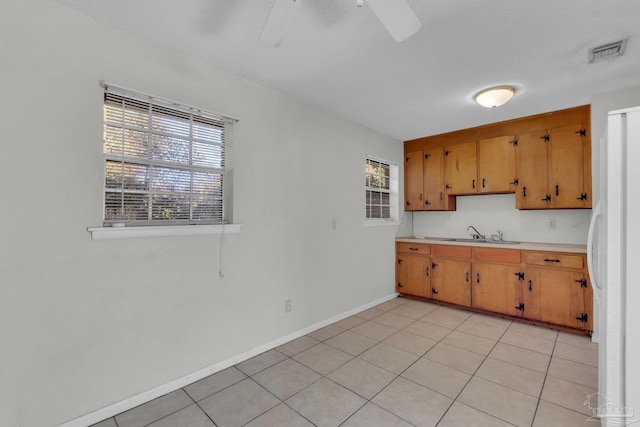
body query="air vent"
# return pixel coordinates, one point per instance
(607, 51)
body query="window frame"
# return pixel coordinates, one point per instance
(216, 168)
(393, 192)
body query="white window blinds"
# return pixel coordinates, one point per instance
(164, 162)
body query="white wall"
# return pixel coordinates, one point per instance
(88, 323)
(490, 213)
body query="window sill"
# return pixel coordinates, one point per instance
(380, 223)
(110, 233)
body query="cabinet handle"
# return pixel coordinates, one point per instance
(530, 283)
(524, 191)
(547, 198)
(415, 249)
(583, 196)
(441, 195)
(551, 260)
(515, 181)
(483, 183)
(433, 291)
(546, 138)
(426, 202)
(447, 186)
(434, 265)
(420, 196)
(557, 190)
(400, 285)
(473, 183)
(426, 271)
(582, 132)
(478, 278)
(467, 277)
(520, 306)
(408, 203)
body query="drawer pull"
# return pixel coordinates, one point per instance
(551, 260)
(417, 249)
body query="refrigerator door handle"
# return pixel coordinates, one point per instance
(591, 262)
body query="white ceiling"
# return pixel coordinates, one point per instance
(340, 57)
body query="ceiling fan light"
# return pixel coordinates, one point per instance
(495, 96)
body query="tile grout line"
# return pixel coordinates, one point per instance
(544, 382)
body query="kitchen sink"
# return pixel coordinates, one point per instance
(498, 242)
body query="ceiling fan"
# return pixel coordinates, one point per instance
(395, 15)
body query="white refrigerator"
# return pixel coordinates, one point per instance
(614, 267)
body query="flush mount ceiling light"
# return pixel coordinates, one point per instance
(495, 96)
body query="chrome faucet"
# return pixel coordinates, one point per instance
(477, 234)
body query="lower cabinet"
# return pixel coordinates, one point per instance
(496, 287)
(451, 274)
(413, 270)
(557, 292)
(413, 275)
(548, 288)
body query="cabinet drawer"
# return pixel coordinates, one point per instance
(551, 259)
(509, 256)
(413, 248)
(452, 251)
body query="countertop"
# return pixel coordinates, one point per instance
(529, 246)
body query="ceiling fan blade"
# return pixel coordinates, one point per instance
(397, 17)
(277, 25)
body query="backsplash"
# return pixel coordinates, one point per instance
(489, 213)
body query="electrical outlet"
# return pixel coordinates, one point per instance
(287, 306)
(551, 223)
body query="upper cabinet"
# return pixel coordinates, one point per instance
(424, 183)
(553, 172)
(460, 168)
(497, 164)
(544, 159)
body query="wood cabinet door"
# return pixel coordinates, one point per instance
(531, 164)
(497, 164)
(434, 199)
(450, 281)
(556, 296)
(413, 181)
(413, 276)
(566, 167)
(461, 174)
(496, 287)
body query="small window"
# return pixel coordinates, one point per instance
(381, 189)
(164, 163)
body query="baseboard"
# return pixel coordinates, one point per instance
(149, 395)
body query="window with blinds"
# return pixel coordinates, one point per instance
(378, 189)
(164, 162)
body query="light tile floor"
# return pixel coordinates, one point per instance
(401, 363)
